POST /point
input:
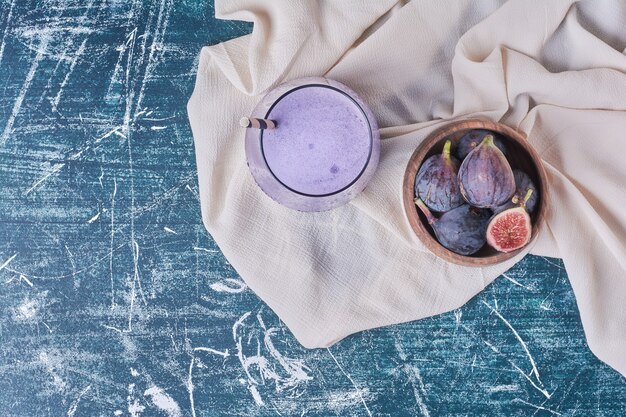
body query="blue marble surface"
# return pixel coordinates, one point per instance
(115, 301)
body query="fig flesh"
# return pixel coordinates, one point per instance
(471, 139)
(461, 230)
(485, 177)
(509, 230)
(436, 182)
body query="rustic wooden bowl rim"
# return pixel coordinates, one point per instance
(421, 228)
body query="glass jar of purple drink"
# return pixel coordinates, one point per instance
(322, 148)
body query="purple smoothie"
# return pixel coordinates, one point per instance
(322, 143)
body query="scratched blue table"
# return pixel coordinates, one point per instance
(115, 301)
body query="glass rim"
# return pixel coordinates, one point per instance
(370, 134)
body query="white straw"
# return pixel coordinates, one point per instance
(253, 122)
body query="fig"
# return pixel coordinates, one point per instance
(485, 176)
(462, 229)
(523, 184)
(471, 140)
(509, 230)
(516, 201)
(436, 182)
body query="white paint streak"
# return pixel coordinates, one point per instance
(503, 388)
(130, 308)
(57, 98)
(551, 263)
(205, 250)
(190, 387)
(163, 401)
(23, 278)
(415, 376)
(286, 373)
(224, 354)
(106, 135)
(55, 168)
(514, 281)
(49, 30)
(130, 43)
(517, 368)
(157, 119)
(457, 316)
(157, 43)
(8, 261)
(358, 390)
(136, 268)
(112, 239)
(168, 230)
(538, 388)
(238, 343)
(229, 285)
(94, 218)
(8, 128)
(295, 368)
(545, 306)
(106, 326)
(194, 192)
(74, 406)
(127, 130)
(255, 395)
(519, 338)
(6, 29)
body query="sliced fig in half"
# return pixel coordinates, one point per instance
(509, 230)
(436, 182)
(462, 229)
(485, 176)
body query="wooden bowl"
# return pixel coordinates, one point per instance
(520, 154)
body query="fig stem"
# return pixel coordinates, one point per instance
(429, 216)
(529, 193)
(487, 140)
(446, 150)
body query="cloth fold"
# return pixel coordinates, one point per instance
(554, 70)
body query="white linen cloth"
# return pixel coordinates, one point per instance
(553, 69)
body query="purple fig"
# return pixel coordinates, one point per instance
(471, 139)
(436, 182)
(523, 184)
(485, 176)
(461, 230)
